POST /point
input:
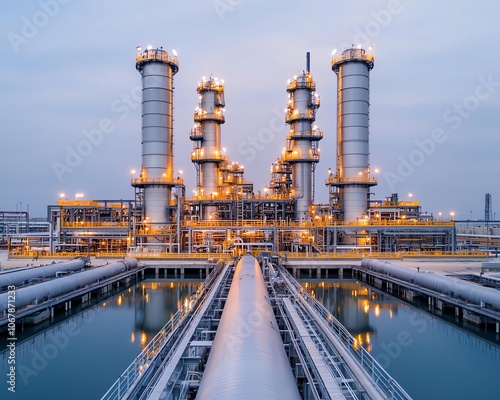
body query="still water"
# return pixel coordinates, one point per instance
(429, 357)
(81, 356)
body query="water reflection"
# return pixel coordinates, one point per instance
(414, 345)
(157, 302)
(112, 330)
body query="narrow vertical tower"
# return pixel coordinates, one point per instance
(157, 68)
(352, 179)
(207, 153)
(302, 141)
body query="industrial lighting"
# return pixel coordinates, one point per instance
(180, 171)
(174, 52)
(359, 46)
(78, 195)
(62, 195)
(133, 171)
(411, 195)
(334, 52)
(150, 47)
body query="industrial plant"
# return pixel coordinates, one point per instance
(223, 213)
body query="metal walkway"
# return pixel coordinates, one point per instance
(326, 360)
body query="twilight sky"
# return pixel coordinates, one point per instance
(70, 111)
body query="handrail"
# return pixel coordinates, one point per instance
(143, 361)
(95, 224)
(372, 368)
(361, 253)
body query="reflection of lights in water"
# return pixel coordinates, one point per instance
(143, 338)
(368, 338)
(104, 304)
(132, 337)
(171, 285)
(119, 300)
(147, 298)
(312, 293)
(390, 313)
(377, 310)
(366, 306)
(186, 302)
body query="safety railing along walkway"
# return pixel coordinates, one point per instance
(386, 384)
(143, 361)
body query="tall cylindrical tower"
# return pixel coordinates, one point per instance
(352, 179)
(302, 150)
(207, 153)
(157, 68)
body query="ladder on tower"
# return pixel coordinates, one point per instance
(239, 209)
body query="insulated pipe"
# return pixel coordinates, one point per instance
(48, 290)
(247, 359)
(13, 277)
(449, 286)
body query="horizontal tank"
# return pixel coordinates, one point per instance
(37, 293)
(446, 285)
(13, 277)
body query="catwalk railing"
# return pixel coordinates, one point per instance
(144, 360)
(389, 387)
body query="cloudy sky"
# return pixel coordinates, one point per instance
(68, 71)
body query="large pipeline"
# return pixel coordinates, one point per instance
(247, 359)
(48, 271)
(58, 286)
(452, 287)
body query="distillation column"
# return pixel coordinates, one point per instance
(207, 154)
(302, 150)
(157, 69)
(352, 179)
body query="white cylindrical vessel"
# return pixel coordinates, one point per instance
(302, 142)
(157, 69)
(353, 168)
